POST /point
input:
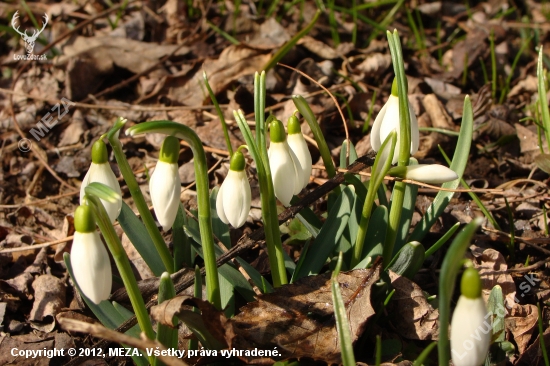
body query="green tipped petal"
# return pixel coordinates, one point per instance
(277, 131)
(470, 285)
(83, 219)
(394, 88)
(99, 152)
(170, 150)
(293, 125)
(237, 162)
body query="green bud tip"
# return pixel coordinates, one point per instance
(237, 162)
(99, 152)
(394, 88)
(170, 150)
(470, 285)
(398, 172)
(293, 125)
(83, 219)
(277, 131)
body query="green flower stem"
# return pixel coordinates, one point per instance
(220, 113)
(306, 111)
(135, 191)
(269, 207)
(449, 271)
(386, 152)
(259, 115)
(404, 145)
(203, 198)
(122, 263)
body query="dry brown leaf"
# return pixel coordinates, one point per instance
(533, 355)
(522, 322)
(49, 298)
(233, 63)
(24, 342)
(492, 270)
(412, 315)
(298, 319)
(214, 320)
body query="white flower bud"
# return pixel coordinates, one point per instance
(388, 120)
(102, 173)
(165, 189)
(89, 258)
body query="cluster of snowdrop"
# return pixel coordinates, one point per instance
(290, 166)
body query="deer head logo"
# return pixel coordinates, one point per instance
(29, 40)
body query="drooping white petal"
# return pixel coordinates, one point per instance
(298, 145)
(102, 173)
(234, 198)
(375, 139)
(388, 120)
(430, 173)
(283, 172)
(470, 332)
(299, 171)
(219, 205)
(91, 266)
(165, 189)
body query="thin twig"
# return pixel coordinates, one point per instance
(99, 331)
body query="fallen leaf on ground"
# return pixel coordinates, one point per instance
(413, 316)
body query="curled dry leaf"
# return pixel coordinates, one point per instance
(297, 320)
(522, 323)
(412, 315)
(49, 298)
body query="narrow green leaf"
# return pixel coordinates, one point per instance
(166, 335)
(460, 159)
(409, 201)
(376, 233)
(424, 354)
(232, 276)
(342, 322)
(495, 307)
(138, 235)
(329, 235)
(304, 109)
(182, 247)
(431, 250)
(102, 191)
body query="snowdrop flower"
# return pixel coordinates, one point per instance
(165, 184)
(101, 172)
(233, 201)
(426, 173)
(388, 120)
(89, 258)
(298, 145)
(470, 331)
(286, 170)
